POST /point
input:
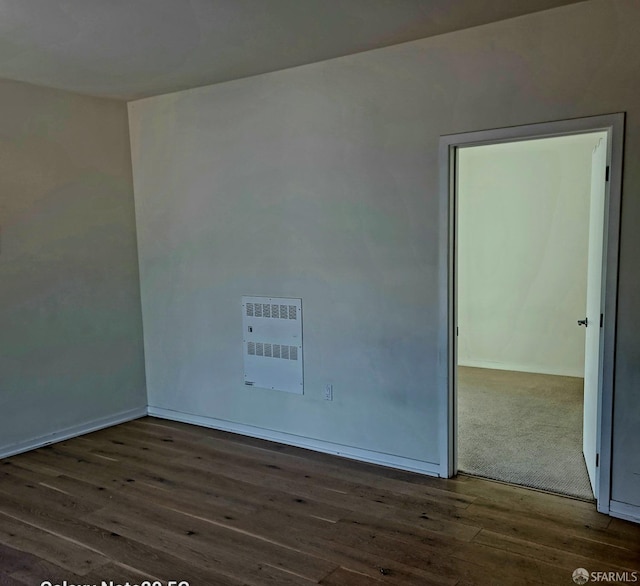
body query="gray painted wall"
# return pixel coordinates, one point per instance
(71, 351)
(321, 182)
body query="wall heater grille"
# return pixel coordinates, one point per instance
(272, 341)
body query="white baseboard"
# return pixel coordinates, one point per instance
(520, 368)
(70, 432)
(624, 511)
(350, 452)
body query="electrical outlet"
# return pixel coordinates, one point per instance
(328, 392)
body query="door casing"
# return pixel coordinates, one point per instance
(613, 125)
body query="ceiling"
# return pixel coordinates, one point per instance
(129, 49)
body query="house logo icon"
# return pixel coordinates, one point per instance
(580, 576)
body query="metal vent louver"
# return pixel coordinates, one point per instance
(272, 334)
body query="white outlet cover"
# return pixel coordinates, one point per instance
(328, 392)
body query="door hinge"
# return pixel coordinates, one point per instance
(606, 177)
(597, 460)
(457, 331)
(601, 319)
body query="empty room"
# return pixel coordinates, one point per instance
(256, 264)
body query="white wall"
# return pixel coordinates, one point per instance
(71, 353)
(523, 223)
(321, 182)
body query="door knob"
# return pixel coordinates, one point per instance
(583, 322)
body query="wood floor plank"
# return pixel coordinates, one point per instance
(40, 570)
(323, 542)
(295, 484)
(532, 501)
(549, 555)
(292, 517)
(536, 503)
(149, 478)
(401, 509)
(20, 565)
(188, 535)
(153, 499)
(436, 554)
(360, 546)
(334, 472)
(344, 577)
(13, 485)
(6, 580)
(68, 555)
(58, 534)
(113, 571)
(233, 496)
(337, 472)
(599, 546)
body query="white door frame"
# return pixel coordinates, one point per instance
(613, 125)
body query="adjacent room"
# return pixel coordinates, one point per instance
(524, 216)
(226, 343)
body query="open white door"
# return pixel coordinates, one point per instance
(592, 322)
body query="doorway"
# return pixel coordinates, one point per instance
(513, 354)
(524, 226)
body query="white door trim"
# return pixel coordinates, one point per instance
(613, 124)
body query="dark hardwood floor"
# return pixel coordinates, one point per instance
(157, 500)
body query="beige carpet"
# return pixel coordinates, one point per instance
(522, 428)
